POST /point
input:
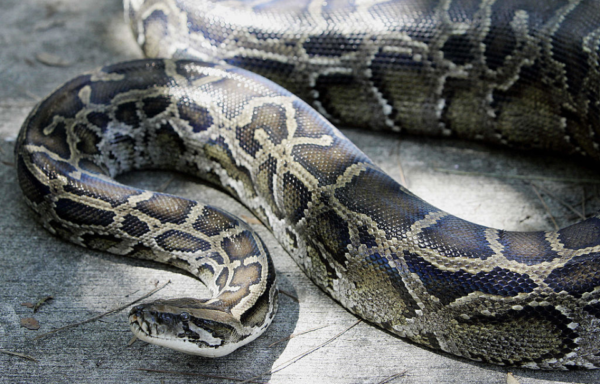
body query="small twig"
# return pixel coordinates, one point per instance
(163, 187)
(520, 177)
(31, 94)
(545, 206)
(196, 374)
(133, 340)
(393, 377)
(302, 355)
(297, 334)
(18, 355)
(103, 314)
(564, 203)
(41, 302)
(583, 202)
(8, 163)
(16, 105)
(132, 293)
(400, 168)
(289, 295)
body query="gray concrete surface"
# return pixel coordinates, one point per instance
(84, 34)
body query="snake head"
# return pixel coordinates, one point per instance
(189, 326)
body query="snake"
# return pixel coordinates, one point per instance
(520, 73)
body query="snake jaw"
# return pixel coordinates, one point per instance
(202, 331)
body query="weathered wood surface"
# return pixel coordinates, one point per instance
(84, 34)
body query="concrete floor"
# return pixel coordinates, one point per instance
(83, 34)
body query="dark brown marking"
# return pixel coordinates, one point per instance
(134, 226)
(449, 286)
(247, 275)
(264, 182)
(296, 197)
(87, 140)
(55, 141)
(541, 333)
(166, 208)
(100, 242)
(392, 207)
(581, 274)
(113, 193)
(34, 190)
(529, 248)
(99, 119)
(221, 280)
(331, 231)
(137, 74)
(126, 113)
(243, 278)
(327, 163)
(240, 246)
(173, 240)
(197, 116)
(171, 144)
(82, 214)
(213, 222)
(155, 105)
(581, 235)
(453, 237)
(92, 167)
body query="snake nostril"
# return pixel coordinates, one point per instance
(137, 310)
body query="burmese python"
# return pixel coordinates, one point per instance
(513, 72)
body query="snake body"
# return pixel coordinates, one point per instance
(522, 73)
(526, 299)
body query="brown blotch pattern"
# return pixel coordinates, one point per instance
(167, 209)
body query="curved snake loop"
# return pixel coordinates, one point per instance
(487, 70)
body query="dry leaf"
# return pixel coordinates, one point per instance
(30, 323)
(510, 379)
(250, 220)
(51, 60)
(48, 24)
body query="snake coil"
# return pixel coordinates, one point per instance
(498, 71)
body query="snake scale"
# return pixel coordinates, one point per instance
(515, 72)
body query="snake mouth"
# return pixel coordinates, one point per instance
(184, 332)
(139, 326)
(160, 328)
(149, 324)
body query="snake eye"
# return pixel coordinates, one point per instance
(184, 316)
